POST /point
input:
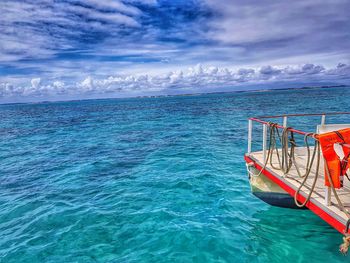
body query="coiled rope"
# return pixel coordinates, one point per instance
(286, 155)
(344, 247)
(287, 159)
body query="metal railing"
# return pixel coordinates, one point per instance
(285, 123)
(265, 124)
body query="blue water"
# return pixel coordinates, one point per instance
(150, 180)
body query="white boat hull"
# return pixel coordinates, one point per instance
(268, 191)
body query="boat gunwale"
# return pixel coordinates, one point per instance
(333, 219)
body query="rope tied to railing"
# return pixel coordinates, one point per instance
(343, 248)
(286, 159)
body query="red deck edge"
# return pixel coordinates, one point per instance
(312, 206)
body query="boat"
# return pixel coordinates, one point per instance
(292, 168)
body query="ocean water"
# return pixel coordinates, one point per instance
(150, 180)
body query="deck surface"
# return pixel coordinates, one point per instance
(293, 180)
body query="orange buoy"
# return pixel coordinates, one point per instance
(337, 166)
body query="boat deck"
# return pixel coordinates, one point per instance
(331, 213)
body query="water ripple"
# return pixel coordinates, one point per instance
(148, 180)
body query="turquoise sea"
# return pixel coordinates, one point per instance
(150, 180)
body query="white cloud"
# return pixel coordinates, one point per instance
(147, 2)
(61, 39)
(194, 79)
(58, 84)
(40, 29)
(243, 21)
(113, 5)
(342, 70)
(35, 83)
(87, 84)
(282, 29)
(269, 70)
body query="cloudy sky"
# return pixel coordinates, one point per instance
(58, 49)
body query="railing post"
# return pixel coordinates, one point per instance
(285, 121)
(264, 141)
(328, 196)
(328, 192)
(250, 130)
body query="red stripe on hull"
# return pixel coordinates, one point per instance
(310, 205)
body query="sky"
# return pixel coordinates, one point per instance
(76, 49)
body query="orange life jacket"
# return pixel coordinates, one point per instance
(337, 168)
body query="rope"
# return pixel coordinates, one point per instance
(272, 145)
(340, 204)
(343, 248)
(307, 173)
(287, 159)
